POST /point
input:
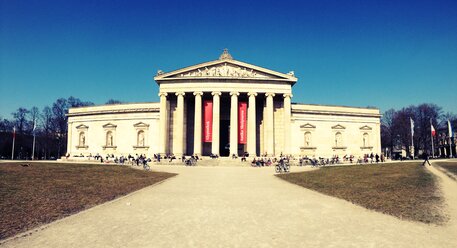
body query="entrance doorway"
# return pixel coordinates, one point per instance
(224, 145)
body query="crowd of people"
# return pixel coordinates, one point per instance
(367, 158)
(261, 161)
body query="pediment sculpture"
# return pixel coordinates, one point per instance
(225, 70)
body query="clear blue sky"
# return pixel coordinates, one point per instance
(387, 54)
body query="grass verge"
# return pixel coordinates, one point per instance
(404, 190)
(41, 193)
(450, 166)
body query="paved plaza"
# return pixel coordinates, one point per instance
(238, 207)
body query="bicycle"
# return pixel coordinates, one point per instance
(282, 166)
(190, 162)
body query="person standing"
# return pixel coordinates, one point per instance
(426, 159)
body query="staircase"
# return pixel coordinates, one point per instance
(207, 161)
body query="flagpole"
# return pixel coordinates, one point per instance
(412, 145)
(14, 139)
(33, 148)
(431, 136)
(450, 138)
(33, 145)
(412, 135)
(450, 147)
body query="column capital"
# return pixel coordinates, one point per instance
(163, 94)
(267, 94)
(198, 93)
(216, 93)
(234, 93)
(287, 95)
(252, 94)
(180, 93)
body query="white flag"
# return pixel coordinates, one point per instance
(412, 126)
(450, 128)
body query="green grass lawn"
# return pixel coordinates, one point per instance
(404, 190)
(44, 192)
(450, 166)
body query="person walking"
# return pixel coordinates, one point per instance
(426, 159)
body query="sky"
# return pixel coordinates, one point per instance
(386, 54)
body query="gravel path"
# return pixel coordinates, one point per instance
(237, 207)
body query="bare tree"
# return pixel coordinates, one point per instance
(113, 101)
(425, 115)
(47, 120)
(34, 115)
(20, 119)
(76, 102)
(387, 132)
(6, 125)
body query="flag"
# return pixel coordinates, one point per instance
(412, 126)
(433, 131)
(449, 127)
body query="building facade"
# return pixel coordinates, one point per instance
(224, 107)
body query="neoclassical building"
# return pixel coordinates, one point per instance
(224, 107)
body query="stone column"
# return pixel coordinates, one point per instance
(163, 125)
(287, 114)
(234, 123)
(251, 146)
(198, 124)
(178, 141)
(269, 142)
(216, 120)
(69, 138)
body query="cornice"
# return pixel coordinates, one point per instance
(115, 111)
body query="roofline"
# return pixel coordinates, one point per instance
(285, 77)
(115, 104)
(330, 105)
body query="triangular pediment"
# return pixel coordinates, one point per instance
(338, 126)
(141, 124)
(307, 125)
(366, 127)
(109, 125)
(225, 69)
(82, 126)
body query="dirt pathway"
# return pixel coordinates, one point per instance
(449, 190)
(233, 207)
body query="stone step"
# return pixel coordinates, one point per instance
(207, 161)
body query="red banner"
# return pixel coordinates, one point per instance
(242, 108)
(207, 121)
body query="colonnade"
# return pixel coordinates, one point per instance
(179, 142)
